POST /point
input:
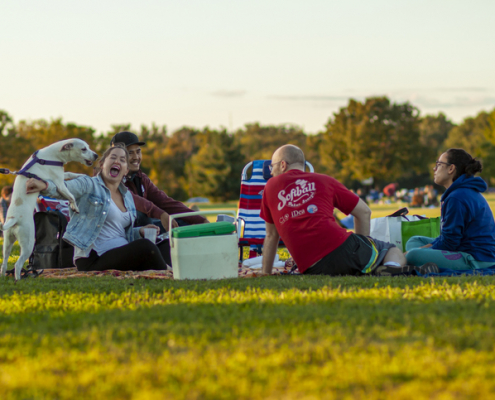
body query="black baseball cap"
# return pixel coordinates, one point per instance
(128, 138)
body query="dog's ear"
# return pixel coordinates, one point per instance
(67, 147)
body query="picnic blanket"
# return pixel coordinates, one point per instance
(244, 272)
(452, 272)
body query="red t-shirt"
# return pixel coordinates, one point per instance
(301, 205)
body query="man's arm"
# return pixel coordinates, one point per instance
(166, 203)
(147, 207)
(270, 246)
(152, 211)
(362, 217)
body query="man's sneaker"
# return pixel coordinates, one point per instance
(428, 268)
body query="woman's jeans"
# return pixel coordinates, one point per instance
(456, 260)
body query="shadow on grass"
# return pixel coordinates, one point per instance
(108, 284)
(460, 324)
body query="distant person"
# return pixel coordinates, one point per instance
(431, 197)
(141, 186)
(417, 198)
(390, 190)
(6, 196)
(298, 206)
(467, 236)
(361, 195)
(374, 194)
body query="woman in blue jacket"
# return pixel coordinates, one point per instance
(102, 232)
(467, 236)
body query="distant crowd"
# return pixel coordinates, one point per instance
(426, 196)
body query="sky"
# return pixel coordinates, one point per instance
(223, 64)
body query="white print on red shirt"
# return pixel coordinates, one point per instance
(298, 195)
(284, 219)
(297, 213)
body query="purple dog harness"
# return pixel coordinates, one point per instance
(35, 160)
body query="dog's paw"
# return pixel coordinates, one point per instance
(74, 208)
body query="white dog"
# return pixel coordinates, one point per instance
(46, 163)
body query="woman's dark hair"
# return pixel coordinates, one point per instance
(464, 163)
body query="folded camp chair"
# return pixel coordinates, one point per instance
(251, 228)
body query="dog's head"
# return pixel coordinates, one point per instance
(77, 150)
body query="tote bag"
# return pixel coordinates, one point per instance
(429, 227)
(398, 228)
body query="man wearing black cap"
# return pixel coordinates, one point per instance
(150, 201)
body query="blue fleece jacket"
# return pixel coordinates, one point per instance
(467, 221)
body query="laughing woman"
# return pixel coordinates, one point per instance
(467, 236)
(102, 232)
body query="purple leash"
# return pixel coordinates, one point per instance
(35, 160)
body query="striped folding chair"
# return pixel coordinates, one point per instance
(251, 228)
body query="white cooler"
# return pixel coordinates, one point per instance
(204, 251)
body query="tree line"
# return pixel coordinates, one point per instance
(378, 138)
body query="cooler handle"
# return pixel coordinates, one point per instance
(191, 214)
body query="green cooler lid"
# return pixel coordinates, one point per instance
(212, 229)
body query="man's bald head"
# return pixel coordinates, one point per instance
(293, 157)
(292, 154)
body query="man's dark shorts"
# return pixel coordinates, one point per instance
(352, 257)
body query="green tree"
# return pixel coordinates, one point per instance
(8, 146)
(376, 138)
(170, 159)
(477, 136)
(156, 139)
(215, 170)
(5, 121)
(490, 127)
(433, 131)
(313, 152)
(259, 142)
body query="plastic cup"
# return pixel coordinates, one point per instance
(150, 234)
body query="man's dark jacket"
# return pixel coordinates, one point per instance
(153, 201)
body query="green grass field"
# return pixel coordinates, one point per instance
(285, 337)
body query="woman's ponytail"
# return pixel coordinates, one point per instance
(464, 163)
(473, 167)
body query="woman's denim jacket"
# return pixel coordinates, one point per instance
(93, 199)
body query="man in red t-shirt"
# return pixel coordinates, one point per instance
(298, 207)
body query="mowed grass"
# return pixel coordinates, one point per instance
(290, 337)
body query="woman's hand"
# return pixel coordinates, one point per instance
(151, 226)
(35, 186)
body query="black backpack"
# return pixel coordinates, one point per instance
(50, 250)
